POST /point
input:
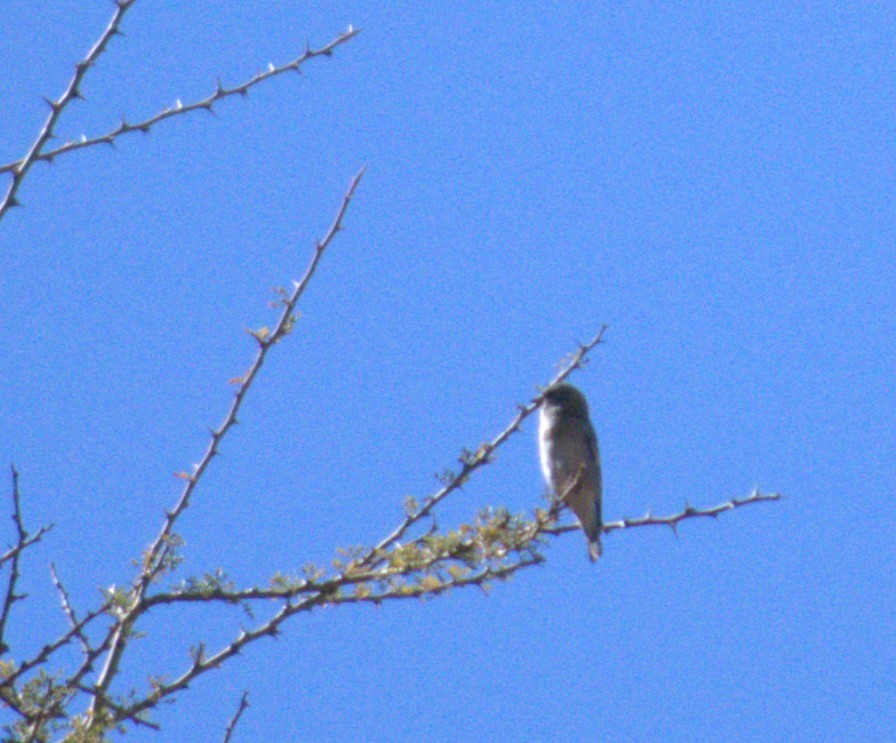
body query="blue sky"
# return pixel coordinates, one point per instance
(714, 182)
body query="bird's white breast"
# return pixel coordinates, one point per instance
(547, 446)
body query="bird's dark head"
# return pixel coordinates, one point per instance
(564, 398)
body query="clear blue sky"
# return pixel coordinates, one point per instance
(714, 181)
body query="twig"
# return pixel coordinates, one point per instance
(672, 521)
(179, 108)
(13, 552)
(11, 596)
(12, 555)
(329, 595)
(21, 167)
(69, 611)
(154, 560)
(231, 726)
(49, 649)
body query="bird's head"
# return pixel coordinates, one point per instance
(564, 399)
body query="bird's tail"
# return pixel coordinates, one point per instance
(594, 547)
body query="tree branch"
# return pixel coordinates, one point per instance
(12, 555)
(672, 521)
(180, 109)
(69, 611)
(49, 649)
(158, 558)
(231, 726)
(21, 167)
(495, 548)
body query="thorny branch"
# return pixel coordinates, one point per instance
(8, 680)
(69, 611)
(231, 726)
(497, 547)
(494, 548)
(19, 168)
(543, 522)
(157, 558)
(12, 555)
(672, 521)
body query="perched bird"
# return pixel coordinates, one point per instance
(570, 459)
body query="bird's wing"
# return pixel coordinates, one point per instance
(591, 443)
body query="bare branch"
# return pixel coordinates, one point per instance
(12, 674)
(153, 562)
(11, 595)
(672, 521)
(12, 555)
(50, 648)
(690, 512)
(179, 108)
(156, 558)
(13, 552)
(231, 726)
(21, 167)
(69, 611)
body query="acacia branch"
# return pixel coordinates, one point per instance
(11, 595)
(157, 558)
(20, 168)
(153, 560)
(50, 648)
(179, 109)
(69, 611)
(672, 520)
(12, 555)
(231, 726)
(14, 551)
(329, 596)
(495, 548)
(688, 512)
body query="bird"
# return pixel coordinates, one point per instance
(570, 458)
